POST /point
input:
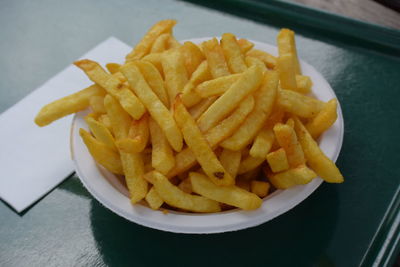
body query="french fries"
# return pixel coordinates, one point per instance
(192, 126)
(153, 104)
(113, 86)
(245, 85)
(230, 195)
(67, 105)
(200, 147)
(177, 198)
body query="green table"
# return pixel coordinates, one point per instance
(355, 223)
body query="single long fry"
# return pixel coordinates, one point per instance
(133, 166)
(265, 99)
(287, 73)
(97, 104)
(231, 195)
(217, 86)
(186, 158)
(201, 74)
(233, 53)
(287, 44)
(175, 197)
(101, 153)
(101, 132)
(155, 59)
(298, 104)
(192, 56)
(250, 163)
(316, 159)
(144, 46)
(262, 143)
(297, 176)
(67, 105)
(154, 79)
(119, 118)
(113, 86)
(324, 120)
(230, 160)
(153, 104)
(287, 139)
(215, 58)
(175, 73)
(200, 147)
(162, 156)
(247, 83)
(153, 199)
(268, 59)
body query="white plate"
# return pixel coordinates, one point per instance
(107, 189)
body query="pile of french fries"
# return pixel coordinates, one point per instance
(203, 127)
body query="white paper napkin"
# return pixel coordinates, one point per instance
(34, 160)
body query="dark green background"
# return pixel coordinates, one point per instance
(335, 226)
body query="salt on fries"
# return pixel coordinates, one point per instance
(193, 127)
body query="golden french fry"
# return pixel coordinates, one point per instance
(175, 73)
(287, 139)
(298, 104)
(260, 188)
(304, 84)
(133, 166)
(292, 177)
(316, 159)
(186, 186)
(96, 103)
(113, 86)
(286, 70)
(186, 158)
(324, 120)
(290, 122)
(287, 45)
(215, 58)
(153, 104)
(262, 143)
(200, 147)
(162, 157)
(277, 160)
(231, 195)
(161, 43)
(175, 197)
(155, 59)
(197, 110)
(144, 46)
(249, 163)
(190, 96)
(230, 160)
(233, 53)
(113, 67)
(138, 136)
(67, 105)
(265, 99)
(192, 56)
(253, 61)
(247, 83)
(153, 199)
(217, 86)
(102, 153)
(245, 45)
(119, 118)
(105, 120)
(268, 59)
(101, 132)
(154, 79)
